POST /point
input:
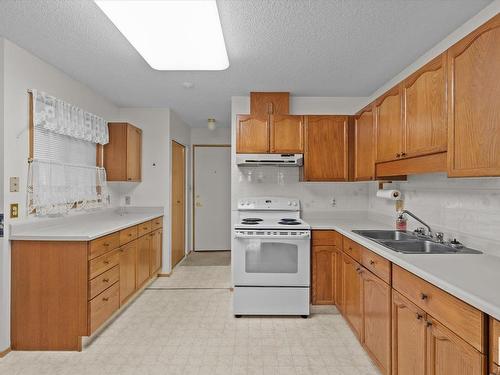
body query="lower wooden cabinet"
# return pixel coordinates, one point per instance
(339, 284)
(408, 337)
(352, 297)
(155, 256)
(324, 264)
(128, 254)
(103, 306)
(143, 260)
(449, 354)
(494, 346)
(376, 296)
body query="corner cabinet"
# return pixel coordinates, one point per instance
(326, 149)
(473, 108)
(123, 153)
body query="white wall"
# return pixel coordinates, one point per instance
(154, 188)
(4, 253)
(23, 71)
(205, 136)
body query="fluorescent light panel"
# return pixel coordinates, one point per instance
(171, 34)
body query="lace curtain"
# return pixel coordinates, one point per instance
(55, 188)
(64, 118)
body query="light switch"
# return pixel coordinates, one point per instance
(14, 184)
(14, 210)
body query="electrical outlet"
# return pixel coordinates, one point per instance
(333, 202)
(14, 210)
(127, 200)
(14, 184)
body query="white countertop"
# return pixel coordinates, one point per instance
(473, 278)
(83, 227)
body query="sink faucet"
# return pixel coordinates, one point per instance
(429, 231)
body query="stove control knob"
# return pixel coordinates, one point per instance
(295, 203)
(289, 203)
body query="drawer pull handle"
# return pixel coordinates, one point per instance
(105, 280)
(105, 299)
(350, 248)
(372, 262)
(419, 316)
(105, 244)
(130, 234)
(106, 262)
(145, 228)
(423, 296)
(429, 324)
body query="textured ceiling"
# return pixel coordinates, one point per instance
(307, 47)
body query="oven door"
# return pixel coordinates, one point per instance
(271, 260)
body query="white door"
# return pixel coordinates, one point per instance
(212, 198)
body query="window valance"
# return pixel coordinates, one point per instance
(64, 118)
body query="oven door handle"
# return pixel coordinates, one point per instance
(277, 237)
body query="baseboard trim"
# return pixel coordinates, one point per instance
(164, 274)
(5, 352)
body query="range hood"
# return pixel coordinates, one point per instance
(288, 160)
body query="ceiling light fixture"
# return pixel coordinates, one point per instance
(211, 124)
(171, 34)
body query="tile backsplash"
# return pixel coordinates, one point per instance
(468, 209)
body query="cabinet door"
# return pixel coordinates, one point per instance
(156, 240)
(115, 160)
(339, 299)
(408, 337)
(323, 275)
(134, 145)
(352, 293)
(287, 134)
(325, 155)
(128, 259)
(252, 135)
(143, 259)
(377, 320)
(268, 103)
(448, 354)
(474, 97)
(389, 133)
(424, 109)
(364, 153)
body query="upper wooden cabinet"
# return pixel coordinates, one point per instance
(326, 148)
(269, 103)
(424, 110)
(122, 155)
(388, 123)
(473, 107)
(252, 134)
(287, 134)
(364, 153)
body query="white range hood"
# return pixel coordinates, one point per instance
(288, 160)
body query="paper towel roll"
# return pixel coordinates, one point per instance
(394, 195)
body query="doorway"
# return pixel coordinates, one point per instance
(178, 203)
(211, 197)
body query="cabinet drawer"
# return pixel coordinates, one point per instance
(461, 318)
(377, 264)
(103, 263)
(103, 306)
(326, 238)
(104, 244)
(143, 228)
(128, 234)
(103, 281)
(494, 341)
(352, 249)
(157, 223)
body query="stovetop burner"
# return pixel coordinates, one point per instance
(288, 222)
(288, 219)
(251, 220)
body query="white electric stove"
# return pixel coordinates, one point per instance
(271, 258)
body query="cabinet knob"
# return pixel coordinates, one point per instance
(398, 155)
(105, 280)
(106, 261)
(403, 154)
(419, 316)
(423, 296)
(372, 262)
(105, 299)
(429, 324)
(105, 244)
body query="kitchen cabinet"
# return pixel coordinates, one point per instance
(409, 337)
(424, 109)
(155, 257)
(143, 259)
(364, 146)
(128, 256)
(339, 283)
(269, 103)
(494, 345)
(326, 148)
(123, 153)
(287, 134)
(252, 134)
(352, 294)
(474, 94)
(376, 315)
(325, 258)
(388, 125)
(448, 354)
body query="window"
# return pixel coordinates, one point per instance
(64, 141)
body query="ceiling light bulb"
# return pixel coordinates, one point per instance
(211, 124)
(171, 34)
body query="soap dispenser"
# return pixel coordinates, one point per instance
(401, 221)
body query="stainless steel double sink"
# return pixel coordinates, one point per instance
(412, 243)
